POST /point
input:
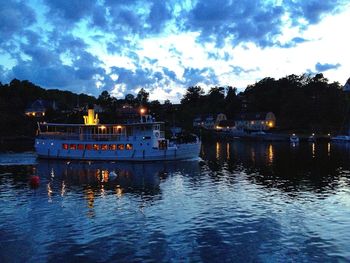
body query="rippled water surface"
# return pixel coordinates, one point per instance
(241, 202)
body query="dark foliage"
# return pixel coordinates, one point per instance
(302, 103)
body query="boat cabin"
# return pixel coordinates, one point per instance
(146, 131)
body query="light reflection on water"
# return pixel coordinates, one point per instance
(243, 202)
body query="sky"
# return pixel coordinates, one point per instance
(88, 46)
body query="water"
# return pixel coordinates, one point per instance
(242, 202)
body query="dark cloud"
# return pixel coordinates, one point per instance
(217, 56)
(44, 76)
(31, 37)
(158, 16)
(40, 55)
(99, 17)
(45, 67)
(133, 79)
(293, 42)
(71, 43)
(171, 74)
(237, 70)
(313, 10)
(152, 61)
(253, 21)
(14, 18)
(158, 75)
(324, 67)
(194, 76)
(145, 77)
(237, 21)
(71, 10)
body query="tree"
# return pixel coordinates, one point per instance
(130, 99)
(142, 97)
(193, 95)
(232, 103)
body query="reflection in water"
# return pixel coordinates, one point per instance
(217, 150)
(243, 202)
(270, 154)
(228, 151)
(103, 178)
(289, 167)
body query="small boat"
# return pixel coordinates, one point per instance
(293, 138)
(341, 138)
(312, 138)
(138, 140)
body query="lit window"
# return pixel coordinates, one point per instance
(88, 147)
(72, 146)
(81, 146)
(65, 146)
(96, 147)
(120, 146)
(112, 147)
(128, 146)
(104, 147)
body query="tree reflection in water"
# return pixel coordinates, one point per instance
(290, 168)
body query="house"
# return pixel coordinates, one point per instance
(226, 125)
(197, 122)
(39, 107)
(208, 122)
(259, 121)
(219, 118)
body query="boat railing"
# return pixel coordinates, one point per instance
(89, 136)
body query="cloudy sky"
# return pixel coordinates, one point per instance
(166, 46)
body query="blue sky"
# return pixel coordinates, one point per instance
(166, 46)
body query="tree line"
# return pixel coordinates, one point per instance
(300, 102)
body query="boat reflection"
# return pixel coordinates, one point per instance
(102, 178)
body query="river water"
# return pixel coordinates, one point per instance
(240, 202)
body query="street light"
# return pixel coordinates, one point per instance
(142, 111)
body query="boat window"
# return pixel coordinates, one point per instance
(72, 146)
(81, 146)
(112, 147)
(163, 144)
(96, 146)
(128, 146)
(88, 147)
(120, 146)
(104, 147)
(65, 146)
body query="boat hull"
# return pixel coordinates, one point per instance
(53, 149)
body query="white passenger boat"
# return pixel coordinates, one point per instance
(143, 140)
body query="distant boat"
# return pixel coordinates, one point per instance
(341, 138)
(259, 133)
(293, 138)
(312, 138)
